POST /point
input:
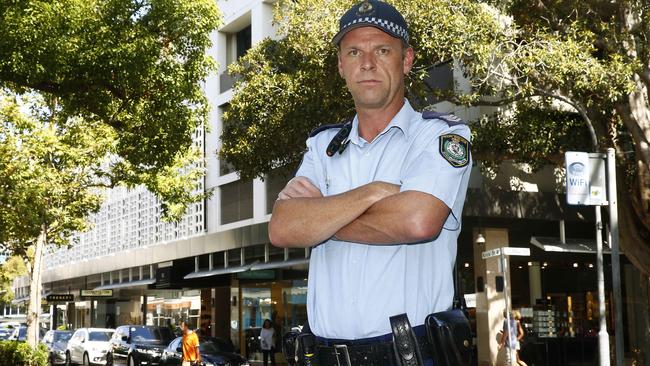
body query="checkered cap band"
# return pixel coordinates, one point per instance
(388, 26)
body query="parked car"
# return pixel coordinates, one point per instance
(7, 330)
(88, 346)
(211, 354)
(56, 342)
(18, 334)
(136, 345)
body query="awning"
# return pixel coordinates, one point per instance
(249, 267)
(550, 244)
(20, 300)
(280, 264)
(217, 272)
(114, 286)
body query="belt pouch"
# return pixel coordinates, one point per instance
(405, 345)
(307, 350)
(450, 338)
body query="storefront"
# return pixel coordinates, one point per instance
(554, 290)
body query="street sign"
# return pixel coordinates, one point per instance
(516, 251)
(96, 293)
(506, 251)
(585, 178)
(59, 298)
(491, 253)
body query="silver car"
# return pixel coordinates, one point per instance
(88, 346)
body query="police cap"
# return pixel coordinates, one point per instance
(373, 13)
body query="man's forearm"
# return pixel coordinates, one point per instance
(407, 217)
(305, 222)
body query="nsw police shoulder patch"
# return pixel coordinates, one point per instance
(455, 149)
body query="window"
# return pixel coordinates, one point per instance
(100, 336)
(439, 79)
(224, 167)
(244, 41)
(236, 201)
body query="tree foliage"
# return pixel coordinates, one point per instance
(12, 268)
(96, 94)
(133, 66)
(560, 75)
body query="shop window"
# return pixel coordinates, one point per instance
(204, 262)
(171, 307)
(275, 181)
(236, 201)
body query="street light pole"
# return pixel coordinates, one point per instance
(506, 297)
(603, 337)
(616, 264)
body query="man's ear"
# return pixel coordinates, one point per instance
(409, 58)
(340, 66)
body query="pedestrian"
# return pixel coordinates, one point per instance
(190, 342)
(267, 342)
(512, 335)
(378, 198)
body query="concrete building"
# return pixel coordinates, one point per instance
(217, 269)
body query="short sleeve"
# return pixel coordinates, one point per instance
(308, 166)
(441, 167)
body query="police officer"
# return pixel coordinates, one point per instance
(378, 198)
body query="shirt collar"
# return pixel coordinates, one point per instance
(401, 121)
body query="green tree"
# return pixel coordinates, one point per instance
(96, 94)
(12, 268)
(561, 75)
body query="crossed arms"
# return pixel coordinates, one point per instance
(375, 213)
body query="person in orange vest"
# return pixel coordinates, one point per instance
(191, 354)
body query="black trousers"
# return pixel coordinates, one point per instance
(266, 354)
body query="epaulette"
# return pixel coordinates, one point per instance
(451, 119)
(322, 128)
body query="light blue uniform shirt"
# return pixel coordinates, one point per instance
(354, 288)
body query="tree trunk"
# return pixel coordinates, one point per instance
(34, 310)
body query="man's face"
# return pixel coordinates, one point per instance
(373, 65)
(184, 327)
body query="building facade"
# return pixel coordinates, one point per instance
(217, 269)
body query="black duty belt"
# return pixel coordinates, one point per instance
(366, 353)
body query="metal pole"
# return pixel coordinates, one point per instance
(603, 337)
(504, 270)
(616, 264)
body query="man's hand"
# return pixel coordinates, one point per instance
(299, 187)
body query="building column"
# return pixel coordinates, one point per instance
(489, 302)
(535, 282)
(144, 308)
